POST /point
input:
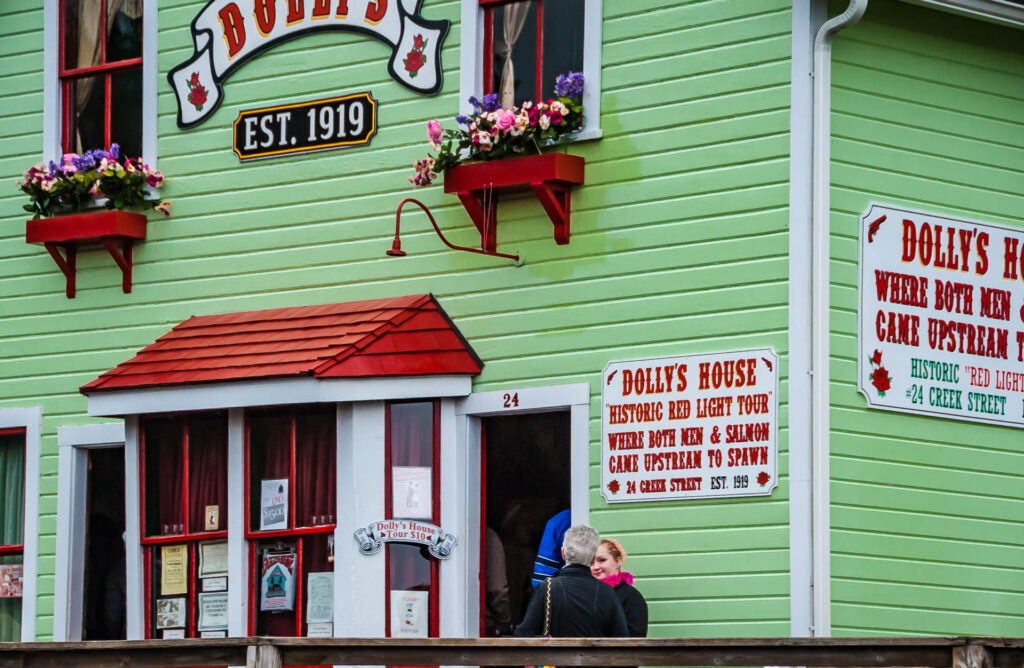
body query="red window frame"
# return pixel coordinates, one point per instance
(489, 7)
(187, 536)
(435, 568)
(106, 69)
(253, 536)
(14, 549)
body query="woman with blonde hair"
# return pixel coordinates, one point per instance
(607, 567)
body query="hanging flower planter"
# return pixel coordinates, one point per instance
(116, 230)
(82, 181)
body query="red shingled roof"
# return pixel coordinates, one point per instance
(404, 336)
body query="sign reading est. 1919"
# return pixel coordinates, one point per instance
(941, 316)
(696, 426)
(305, 127)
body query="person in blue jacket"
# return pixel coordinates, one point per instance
(549, 554)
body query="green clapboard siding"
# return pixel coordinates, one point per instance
(679, 245)
(927, 537)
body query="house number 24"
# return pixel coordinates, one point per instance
(511, 400)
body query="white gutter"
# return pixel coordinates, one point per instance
(820, 183)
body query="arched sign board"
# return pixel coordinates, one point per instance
(228, 33)
(438, 542)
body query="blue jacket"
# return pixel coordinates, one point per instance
(549, 554)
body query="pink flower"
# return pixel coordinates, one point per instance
(434, 134)
(155, 179)
(164, 207)
(506, 119)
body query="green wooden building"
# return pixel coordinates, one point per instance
(316, 431)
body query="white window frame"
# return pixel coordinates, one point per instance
(463, 467)
(73, 445)
(31, 420)
(51, 81)
(471, 59)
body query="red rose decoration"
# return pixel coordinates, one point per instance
(763, 478)
(197, 97)
(417, 42)
(613, 487)
(413, 62)
(194, 80)
(876, 359)
(881, 380)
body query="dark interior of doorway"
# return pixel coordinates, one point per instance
(526, 477)
(103, 607)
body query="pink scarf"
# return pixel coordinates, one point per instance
(621, 576)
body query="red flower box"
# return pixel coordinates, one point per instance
(551, 176)
(110, 228)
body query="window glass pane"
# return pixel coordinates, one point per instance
(164, 469)
(514, 77)
(10, 608)
(81, 33)
(412, 434)
(317, 557)
(12, 489)
(169, 607)
(563, 41)
(269, 456)
(86, 98)
(124, 29)
(126, 112)
(315, 467)
(208, 472)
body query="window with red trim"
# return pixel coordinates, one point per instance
(12, 531)
(527, 43)
(183, 462)
(101, 75)
(412, 491)
(291, 473)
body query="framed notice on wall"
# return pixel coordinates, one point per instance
(941, 316)
(690, 427)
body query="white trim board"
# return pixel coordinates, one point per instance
(1002, 12)
(73, 442)
(31, 420)
(240, 394)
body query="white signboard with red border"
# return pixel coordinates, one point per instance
(690, 427)
(941, 316)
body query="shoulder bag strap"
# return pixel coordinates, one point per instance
(547, 610)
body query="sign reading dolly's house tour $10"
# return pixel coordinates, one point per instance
(690, 427)
(305, 127)
(941, 316)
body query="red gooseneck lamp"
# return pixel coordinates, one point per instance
(396, 245)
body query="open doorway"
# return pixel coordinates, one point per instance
(104, 573)
(526, 476)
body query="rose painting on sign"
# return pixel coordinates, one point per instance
(416, 58)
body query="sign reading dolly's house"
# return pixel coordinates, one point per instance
(696, 426)
(941, 316)
(228, 33)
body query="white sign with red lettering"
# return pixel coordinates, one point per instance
(941, 316)
(690, 427)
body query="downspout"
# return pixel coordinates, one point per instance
(820, 183)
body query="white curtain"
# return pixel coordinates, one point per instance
(515, 19)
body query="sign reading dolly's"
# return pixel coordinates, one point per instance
(941, 316)
(696, 426)
(228, 33)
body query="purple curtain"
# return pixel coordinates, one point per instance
(207, 469)
(164, 471)
(315, 467)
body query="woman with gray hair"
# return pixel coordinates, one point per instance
(575, 604)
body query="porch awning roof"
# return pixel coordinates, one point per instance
(403, 336)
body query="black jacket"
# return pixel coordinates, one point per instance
(635, 608)
(581, 607)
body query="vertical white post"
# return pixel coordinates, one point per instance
(238, 554)
(135, 624)
(455, 516)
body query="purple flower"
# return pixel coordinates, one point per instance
(462, 120)
(569, 85)
(491, 102)
(475, 102)
(115, 152)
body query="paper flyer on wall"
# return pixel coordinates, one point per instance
(213, 559)
(173, 569)
(409, 614)
(411, 494)
(320, 598)
(170, 613)
(277, 584)
(274, 504)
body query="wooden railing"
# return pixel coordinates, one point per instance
(959, 652)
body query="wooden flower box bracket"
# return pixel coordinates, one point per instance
(550, 176)
(116, 230)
